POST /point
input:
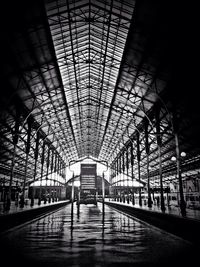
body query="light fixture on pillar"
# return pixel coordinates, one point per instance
(179, 158)
(173, 158)
(182, 155)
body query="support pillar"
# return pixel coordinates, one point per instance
(26, 163)
(159, 144)
(147, 154)
(103, 194)
(42, 169)
(123, 170)
(178, 164)
(35, 168)
(52, 166)
(120, 180)
(127, 167)
(72, 198)
(55, 173)
(117, 178)
(47, 173)
(132, 174)
(7, 201)
(138, 160)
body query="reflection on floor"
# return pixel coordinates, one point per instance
(92, 238)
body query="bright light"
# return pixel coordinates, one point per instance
(173, 158)
(50, 181)
(126, 181)
(76, 183)
(76, 168)
(136, 184)
(183, 154)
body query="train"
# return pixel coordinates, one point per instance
(88, 196)
(192, 199)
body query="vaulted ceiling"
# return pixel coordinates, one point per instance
(88, 74)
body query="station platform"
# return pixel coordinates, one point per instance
(171, 210)
(171, 220)
(16, 208)
(16, 215)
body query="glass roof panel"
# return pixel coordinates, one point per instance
(89, 38)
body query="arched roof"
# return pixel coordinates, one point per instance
(88, 73)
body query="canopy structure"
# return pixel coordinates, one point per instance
(95, 78)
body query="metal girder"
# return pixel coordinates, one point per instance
(89, 73)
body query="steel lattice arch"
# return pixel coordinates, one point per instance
(99, 79)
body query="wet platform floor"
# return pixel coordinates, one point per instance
(90, 239)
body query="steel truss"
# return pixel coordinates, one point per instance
(89, 78)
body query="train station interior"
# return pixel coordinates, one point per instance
(99, 134)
